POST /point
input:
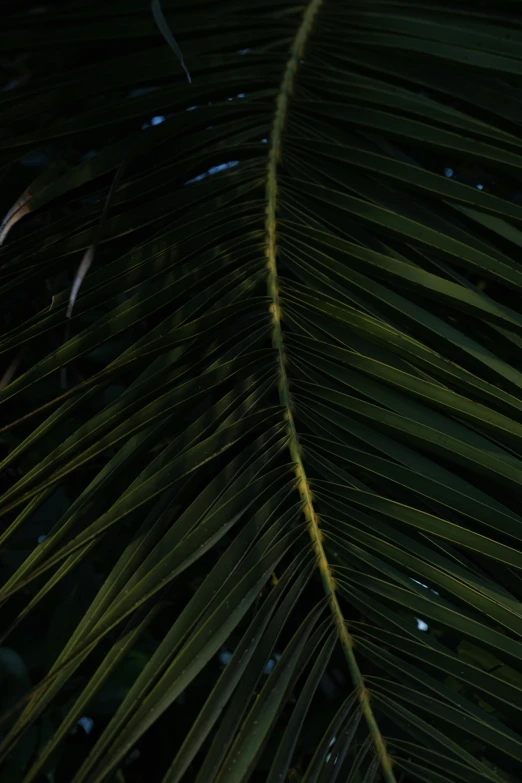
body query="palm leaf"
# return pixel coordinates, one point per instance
(261, 393)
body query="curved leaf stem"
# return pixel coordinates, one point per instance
(285, 92)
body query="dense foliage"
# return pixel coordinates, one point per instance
(260, 417)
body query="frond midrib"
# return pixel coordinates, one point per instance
(312, 521)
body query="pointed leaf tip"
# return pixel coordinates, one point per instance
(164, 29)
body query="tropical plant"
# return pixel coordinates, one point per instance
(261, 418)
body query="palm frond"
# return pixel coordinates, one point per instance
(264, 343)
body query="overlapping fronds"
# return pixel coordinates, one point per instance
(260, 408)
